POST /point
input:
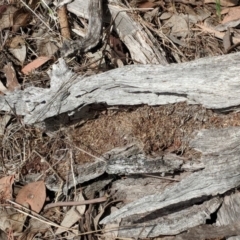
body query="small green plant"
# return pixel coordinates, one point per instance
(218, 9)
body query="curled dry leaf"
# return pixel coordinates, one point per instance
(18, 48)
(20, 19)
(34, 194)
(6, 187)
(227, 40)
(35, 64)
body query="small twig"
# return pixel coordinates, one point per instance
(63, 22)
(36, 15)
(36, 215)
(50, 167)
(72, 170)
(89, 154)
(165, 178)
(61, 204)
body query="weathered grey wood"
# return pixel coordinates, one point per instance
(221, 173)
(96, 187)
(171, 223)
(210, 231)
(82, 173)
(229, 213)
(80, 9)
(142, 46)
(219, 141)
(143, 186)
(131, 160)
(93, 34)
(212, 82)
(111, 163)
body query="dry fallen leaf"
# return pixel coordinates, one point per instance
(19, 53)
(232, 14)
(35, 64)
(12, 82)
(35, 228)
(216, 33)
(34, 194)
(20, 19)
(73, 215)
(17, 47)
(6, 20)
(6, 187)
(47, 47)
(179, 26)
(11, 221)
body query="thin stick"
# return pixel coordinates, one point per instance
(37, 217)
(35, 14)
(165, 178)
(61, 204)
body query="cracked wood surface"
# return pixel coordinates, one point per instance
(140, 42)
(170, 222)
(212, 82)
(221, 174)
(126, 160)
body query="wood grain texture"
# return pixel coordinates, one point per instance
(131, 160)
(229, 213)
(168, 222)
(210, 232)
(221, 174)
(212, 82)
(93, 34)
(141, 44)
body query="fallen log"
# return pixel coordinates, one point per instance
(211, 82)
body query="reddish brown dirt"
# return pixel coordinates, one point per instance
(157, 129)
(165, 128)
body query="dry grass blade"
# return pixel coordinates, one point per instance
(36, 216)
